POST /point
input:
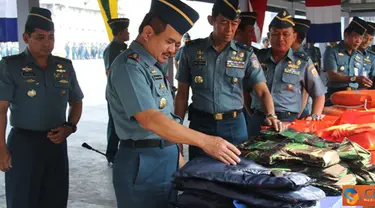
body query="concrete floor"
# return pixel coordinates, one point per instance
(90, 177)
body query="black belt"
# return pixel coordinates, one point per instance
(146, 143)
(280, 115)
(27, 131)
(215, 116)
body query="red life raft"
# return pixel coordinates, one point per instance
(354, 98)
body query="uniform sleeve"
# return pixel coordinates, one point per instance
(254, 73)
(113, 53)
(183, 72)
(312, 82)
(106, 59)
(372, 70)
(7, 86)
(75, 92)
(132, 88)
(329, 61)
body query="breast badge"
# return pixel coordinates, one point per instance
(31, 93)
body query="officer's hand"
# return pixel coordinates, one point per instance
(364, 81)
(59, 134)
(5, 159)
(221, 150)
(276, 123)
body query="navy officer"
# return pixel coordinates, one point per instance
(37, 86)
(344, 63)
(288, 73)
(142, 108)
(119, 27)
(218, 69)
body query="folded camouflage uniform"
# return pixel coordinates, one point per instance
(354, 154)
(299, 137)
(335, 187)
(334, 172)
(272, 152)
(364, 177)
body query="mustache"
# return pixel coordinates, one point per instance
(167, 54)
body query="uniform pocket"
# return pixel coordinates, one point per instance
(199, 77)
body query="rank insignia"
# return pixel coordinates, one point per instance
(198, 79)
(234, 80)
(162, 103)
(59, 66)
(340, 54)
(31, 93)
(134, 56)
(27, 69)
(314, 72)
(30, 81)
(63, 81)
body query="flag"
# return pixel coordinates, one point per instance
(109, 10)
(325, 17)
(8, 21)
(260, 7)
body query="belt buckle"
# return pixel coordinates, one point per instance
(234, 114)
(218, 116)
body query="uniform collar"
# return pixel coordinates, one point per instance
(289, 55)
(31, 60)
(143, 53)
(300, 49)
(342, 48)
(118, 41)
(209, 42)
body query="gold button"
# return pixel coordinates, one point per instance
(163, 103)
(198, 79)
(234, 80)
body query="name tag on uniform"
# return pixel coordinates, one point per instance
(200, 62)
(28, 74)
(235, 64)
(292, 71)
(157, 77)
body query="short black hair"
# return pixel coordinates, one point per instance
(29, 30)
(153, 20)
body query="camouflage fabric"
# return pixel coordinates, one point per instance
(354, 154)
(364, 177)
(299, 137)
(334, 172)
(335, 187)
(271, 152)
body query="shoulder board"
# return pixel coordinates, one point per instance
(13, 57)
(134, 56)
(302, 55)
(372, 52)
(191, 42)
(62, 60)
(244, 46)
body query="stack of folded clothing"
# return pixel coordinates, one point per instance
(206, 183)
(331, 164)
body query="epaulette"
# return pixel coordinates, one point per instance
(191, 42)
(302, 55)
(244, 46)
(134, 56)
(13, 57)
(62, 60)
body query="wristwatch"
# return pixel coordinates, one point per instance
(74, 127)
(271, 115)
(353, 78)
(314, 116)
